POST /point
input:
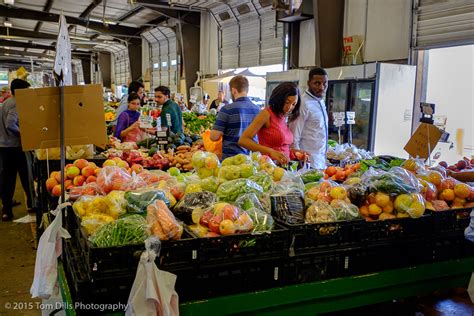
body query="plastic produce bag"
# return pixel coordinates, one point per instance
(49, 249)
(210, 184)
(137, 201)
(395, 181)
(412, 205)
(112, 205)
(93, 222)
(184, 209)
(264, 180)
(345, 211)
(320, 212)
(248, 201)
(290, 183)
(205, 163)
(113, 178)
(161, 222)
(288, 207)
(127, 230)
(310, 175)
(153, 290)
(86, 189)
(237, 160)
(211, 146)
(262, 222)
(231, 190)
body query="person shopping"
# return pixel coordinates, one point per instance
(128, 125)
(12, 157)
(270, 125)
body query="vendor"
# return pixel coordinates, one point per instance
(219, 102)
(171, 115)
(274, 136)
(128, 125)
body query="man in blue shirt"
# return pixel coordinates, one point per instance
(234, 118)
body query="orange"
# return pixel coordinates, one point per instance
(364, 210)
(374, 209)
(462, 190)
(447, 195)
(435, 177)
(330, 171)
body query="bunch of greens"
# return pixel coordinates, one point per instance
(195, 124)
(124, 231)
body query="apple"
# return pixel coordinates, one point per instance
(402, 202)
(227, 227)
(173, 171)
(72, 172)
(211, 162)
(230, 212)
(87, 171)
(461, 164)
(56, 191)
(462, 190)
(447, 195)
(219, 208)
(206, 217)
(214, 223)
(205, 173)
(78, 181)
(229, 161)
(210, 184)
(443, 164)
(97, 171)
(198, 159)
(81, 163)
(241, 159)
(338, 193)
(123, 164)
(117, 159)
(278, 173)
(91, 179)
(430, 194)
(247, 170)
(50, 183)
(109, 162)
(137, 168)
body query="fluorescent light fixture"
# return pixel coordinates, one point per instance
(12, 2)
(156, 65)
(7, 54)
(173, 62)
(102, 21)
(164, 64)
(7, 24)
(7, 47)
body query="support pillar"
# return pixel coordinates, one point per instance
(105, 68)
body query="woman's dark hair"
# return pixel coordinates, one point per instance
(278, 98)
(17, 84)
(134, 86)
(133, 96)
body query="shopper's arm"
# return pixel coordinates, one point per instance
(246, 139)
(12, 121)
(219, 126)
(463, 176)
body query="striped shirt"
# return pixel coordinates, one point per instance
(232, 121)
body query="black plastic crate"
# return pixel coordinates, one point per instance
(449, 221)
(399, 229)
(393, 254)
(310, 238)
(320, 266)
(454, 246)
(174, 254)
(228, 279)
(244, 247)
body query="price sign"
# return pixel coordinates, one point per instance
(146, 121)
(339, 115)
(168, 119)
(338, 122)
(162, 137)
(351, 117)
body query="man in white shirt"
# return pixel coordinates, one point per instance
(310, 129)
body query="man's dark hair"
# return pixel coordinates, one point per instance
(164, 90)
(18, 84)
(278, 98)
(133, 96)
(134, 86)
(317, 72)
(239, 82)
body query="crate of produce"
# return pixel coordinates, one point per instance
(111, 260)
(244, 247)
(452, 246)
(382, 231)
(310, 238)
(450, 221)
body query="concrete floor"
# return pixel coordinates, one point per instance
(17, 262)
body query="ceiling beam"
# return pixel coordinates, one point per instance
(130, 13)
(165, 5)
(11, 52)
(87, 11)
(6, 43)
(19, 13)
(10, 31)
(193, 18)
(153, 23)
(47, 7)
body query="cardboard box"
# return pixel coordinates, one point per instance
(38, 111)
(423, 141)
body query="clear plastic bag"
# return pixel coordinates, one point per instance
(229, 172)
(91, 189)
(395, 181)
(137, 201)
(205, 163)
(291, 183)
(345, 211)
(127, 230)
(113, 178)
(248, 201)
(210, 184)
(135, 183)
(112, 205)
(320, 212)
(229, 191)
(162, 223)
(262, 221)
(310, 175)
(183, 210)
(264, 180)
(412, 205)
(236, 160)
(320, 191)
(94, 222)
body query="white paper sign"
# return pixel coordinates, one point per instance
(350, 117)
(146, 121)
(338, 115)
(62, 61)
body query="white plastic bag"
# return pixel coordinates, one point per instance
(153, 290)
(49, 249)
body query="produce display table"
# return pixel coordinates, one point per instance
(330, 295)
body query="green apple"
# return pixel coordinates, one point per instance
(173, 171)
(228, 161)
(198, 159)
(192, 188)
(402, 202)
(247, 170)
(241, 159)
(204, 173)
(210, 184)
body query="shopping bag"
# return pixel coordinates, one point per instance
(152, 291)
(49, 249)
(211, 146)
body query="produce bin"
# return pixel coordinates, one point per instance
(399, 229)
(244, 247)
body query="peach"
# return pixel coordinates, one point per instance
(78, 180)
(448, 183)
(72, 172)
(81, 163)
(56, 191)
(462, 190)
(68, 184)
(87, 171)
(447, 195)
(91, 179)
(97, 171)
(50, 183)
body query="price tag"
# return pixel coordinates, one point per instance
(338, 122)
(339, 116)
(351, 117)
(162, 137)
(168, 119)
(146, 121)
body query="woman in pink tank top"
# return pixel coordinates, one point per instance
(271, 126)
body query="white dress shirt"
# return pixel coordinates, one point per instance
(310, 129)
